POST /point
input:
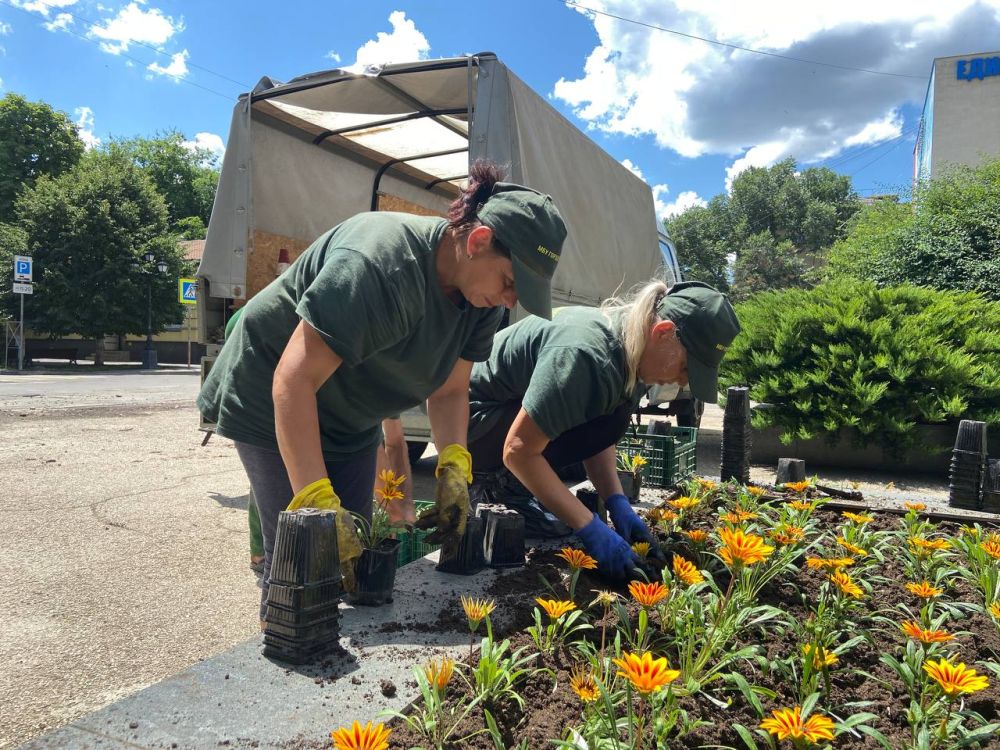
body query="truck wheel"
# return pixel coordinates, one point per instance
(415, 449)
(689, 413)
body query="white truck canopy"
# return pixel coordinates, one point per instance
(305, 155)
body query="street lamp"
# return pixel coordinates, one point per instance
(149, 353)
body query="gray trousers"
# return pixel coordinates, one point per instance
(353, 480)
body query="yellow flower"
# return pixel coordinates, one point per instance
(390, 485)
(756, 491)
(913, 630)
(555, 608)
(915, 506)
(683, 503)
(852, 548)
(641, 548)
(584, 685)
(604, 597)
(737, 516)
(995, 610)
(955, 679)
(477, 610)
(822, 657)
(857, 517)
(801, 505)
(786, 534)
(668, 515)
(698, 536)
(742, 549)
(924, 590)
(389, 478)
(706, 485)
(967, 530)
(648, 594)
(646, 673)
(686, 571)
(787, 723)
(798, 487)
(846, 584)
(831, 564)
(918, 542)
(359, 737)
(577, 559)
(991, 546)
(638, 461)
(439, 673)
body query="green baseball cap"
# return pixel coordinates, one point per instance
(528, 224)
(706, 326)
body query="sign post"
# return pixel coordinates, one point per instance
(187, 294)
(23, 268)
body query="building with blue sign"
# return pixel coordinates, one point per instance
(960, 124)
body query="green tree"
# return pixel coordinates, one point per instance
(13, 241)
(700, 234)
(191, 228)
(764, 263)
(873, 232)
(186, 177)
(35, 140)
(86, 229)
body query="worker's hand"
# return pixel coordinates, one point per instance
(401, 512)
(320, 495)
(614, 556)
(628, 524)
(451, 499)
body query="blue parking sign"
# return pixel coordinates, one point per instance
(187, 291)
(22, 268)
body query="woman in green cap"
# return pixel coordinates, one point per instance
(379, 314)
(556, 392)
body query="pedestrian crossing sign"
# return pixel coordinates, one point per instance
(187, 290)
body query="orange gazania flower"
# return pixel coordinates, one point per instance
(852, 548)
(831, 564)
(756, 491)
(822, 657)
(797, 487)
(646, 672)
(698, 536)
(683, 503)
(787, 723)
(969, 530)
(846, 585)
(686, 571)
(390, 485)
(584, 685)
(918, 542)
(555, 608)
(739, 548)
(915, 506)
(995, 609)
(706, 485)
(641, 548)
(991, 546)
(924, 590)
(439, 673)
(914, 631)
(737, 516)
(476, 610)
(359, 737)
(858, 517)
(955, 679)
(577, 559)
(801, 505)
(648, 594)
(786, 534)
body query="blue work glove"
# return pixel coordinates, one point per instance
(629, 525)
(614, 556)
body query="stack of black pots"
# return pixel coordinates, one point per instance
(503, 540)
(968, 466)
(736, 436)
(302, 619)
(991, 486)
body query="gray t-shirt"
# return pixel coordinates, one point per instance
(564, 372)
(369, 287)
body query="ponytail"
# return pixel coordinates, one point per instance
(462, 213)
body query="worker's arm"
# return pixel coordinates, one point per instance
(398, 461)
(305, 365)
(602, 471)
(448, 408)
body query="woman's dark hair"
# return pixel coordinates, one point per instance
(462, 213)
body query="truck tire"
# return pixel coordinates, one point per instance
(415, 449)
(689, 413)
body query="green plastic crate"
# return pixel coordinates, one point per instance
(412, 543)
(671, 458)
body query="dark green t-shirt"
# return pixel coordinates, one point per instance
(369, 287)
(564, 372)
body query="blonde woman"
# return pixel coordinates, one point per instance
(556, 392)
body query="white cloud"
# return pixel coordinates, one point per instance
(698, 98)
(333, 56)
(210, 141)
(43, 6)
(404, 44)
(5, 28)
(176, 69)
(61, 22)
(133, 24)
(687, 199)
(763, 155)
(85, 127)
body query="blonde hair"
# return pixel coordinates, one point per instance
(637, 311)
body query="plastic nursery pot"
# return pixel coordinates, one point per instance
(306, 598)
(466, 557)
(503, 543)
(737, 401)
(305, 548)
(631, 484)
(790, 470)
(592, 502)
(376, 574)
(294, 651)
(990, 502)
(971, 436)
(991, 480)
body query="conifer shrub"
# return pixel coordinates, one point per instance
(880, 361)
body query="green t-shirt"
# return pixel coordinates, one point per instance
(564, 372)
(369, 287)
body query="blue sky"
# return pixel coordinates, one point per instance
(686, 114)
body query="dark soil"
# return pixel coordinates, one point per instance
(551, 706)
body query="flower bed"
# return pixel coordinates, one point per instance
(774, 623)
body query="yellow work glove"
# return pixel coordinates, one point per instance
(320, 495)
(451, 499)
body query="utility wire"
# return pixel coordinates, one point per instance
(836, 162)
(877, 158)
(790, 58)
